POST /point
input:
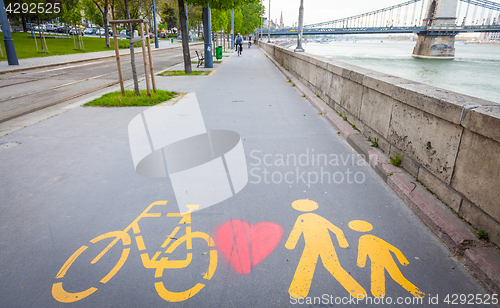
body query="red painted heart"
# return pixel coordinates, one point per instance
(244, 245)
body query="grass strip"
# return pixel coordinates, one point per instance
(116, 99)
(26, 48)
(182, 73)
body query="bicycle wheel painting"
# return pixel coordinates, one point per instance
(205, 167)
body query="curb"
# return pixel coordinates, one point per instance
(482, 261)
(15, 70)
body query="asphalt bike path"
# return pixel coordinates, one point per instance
(311, 224)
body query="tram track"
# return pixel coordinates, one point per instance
(43, 97)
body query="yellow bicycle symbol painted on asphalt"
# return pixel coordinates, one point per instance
(160, 265)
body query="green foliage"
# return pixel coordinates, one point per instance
(396, 161)
(92, 12)
(374, 142)
(116, 99)
(482, 235)
(345, 118)
(251, 13)
(169, 13)
(369, 138)
(221, 4)
(25, 47)
(182, 73)
(72, 11)
(221, 20)
(122, 44)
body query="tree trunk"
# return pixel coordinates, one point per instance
(185, 37)
(23, 19)
(78, 36)
(132, 54)
(39, 30)
(105, 21)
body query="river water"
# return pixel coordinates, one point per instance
(475, 71)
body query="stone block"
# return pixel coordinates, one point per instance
(376, 110)
(477, 172)
(335, 90)
(382, 142)
(353, 75)
(442, 191)
(428, 140)
(323, 81)
(335, 67)
(441, 103)
(485, 121)
(352, 93)
(484, 264)
(383, 83)
(481, 221)
(406, 162)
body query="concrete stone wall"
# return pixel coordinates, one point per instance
(448, 141)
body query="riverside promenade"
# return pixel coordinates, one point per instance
(72, 184)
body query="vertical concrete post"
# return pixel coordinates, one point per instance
(232, 29)
(10, 50)
(208, 37)
(431, 44)
(301, 27)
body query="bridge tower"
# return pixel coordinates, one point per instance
(438, 42)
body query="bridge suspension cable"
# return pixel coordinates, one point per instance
(404, 15)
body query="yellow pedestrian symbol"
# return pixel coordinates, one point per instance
(379, 252)
(318, 243)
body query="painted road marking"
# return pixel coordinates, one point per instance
(245, 245)
(379, 252)
(318, 243)
(63, 296)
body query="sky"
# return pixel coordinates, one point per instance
(323, 10)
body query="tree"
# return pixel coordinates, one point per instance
(220, 20)
(185, 36)
(102, 6)
(132, 54)
(250, 14)
(91, 12)
(169, 14)
(214, 4)
(72, 13)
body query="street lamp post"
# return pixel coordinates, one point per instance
(154, 24)
(7, 37)
(269, 24)
(208, 37)
(301, 27)
(232, 29)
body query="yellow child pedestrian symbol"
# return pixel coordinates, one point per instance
(318, 243)
(379, 252)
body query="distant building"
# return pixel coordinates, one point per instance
(489, 37)
(272, 24)
(281, 20)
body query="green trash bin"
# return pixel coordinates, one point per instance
(218, 52)
(171, 40)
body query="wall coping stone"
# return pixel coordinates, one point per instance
(442, 103)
